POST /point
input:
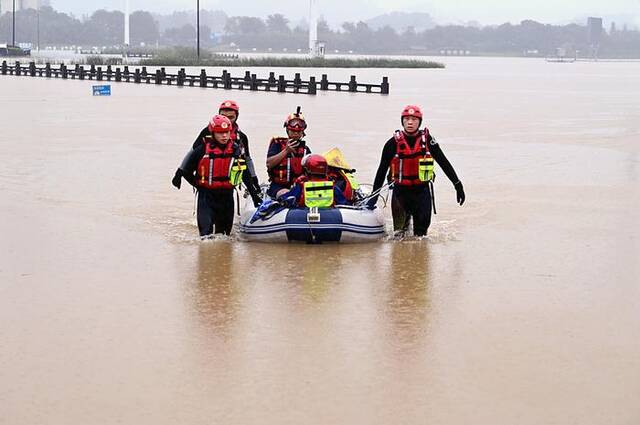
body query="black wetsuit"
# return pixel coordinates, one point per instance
(215, 206)
(411, 201)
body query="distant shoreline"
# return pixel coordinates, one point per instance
(291, 62)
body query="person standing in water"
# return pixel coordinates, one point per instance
(231, 110)
(410, 156)
(214, 168)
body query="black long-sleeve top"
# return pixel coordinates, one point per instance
(389, 151)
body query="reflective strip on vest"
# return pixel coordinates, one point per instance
(318, 194)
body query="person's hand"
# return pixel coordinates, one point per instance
(256, 184)
(459, 192)
(177, 179)
(292, 145)
(371, 203)
(257, 200)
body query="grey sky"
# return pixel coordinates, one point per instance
(336, 11)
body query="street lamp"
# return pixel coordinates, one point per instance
(38, 25)
(13, 43)
(197, 28)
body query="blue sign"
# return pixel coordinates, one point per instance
(102, 90)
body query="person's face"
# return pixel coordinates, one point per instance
(294, 134)
(229, 113)
(411, 124)
(222, 137)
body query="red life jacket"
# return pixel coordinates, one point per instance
(405, 164)
(213, 168)
(290, 168)
(300, 181)
(336, 175)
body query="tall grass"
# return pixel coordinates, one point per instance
(187, 57)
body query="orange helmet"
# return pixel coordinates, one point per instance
(229, 104)
(295, 121)
(219, 124)
(411, 111)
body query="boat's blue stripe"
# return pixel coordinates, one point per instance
(254, 231)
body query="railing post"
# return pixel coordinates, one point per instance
(99, 73)
(144, 72)
(76, 71)
(158, 76)
(93, 71)
(118, 75)
(180, 79)
(82, 72)
(47, 70)
(227, 80)
(32, 69)
(4, 67)
(18, 70)
(125, 73)
(272, 78)
(282, 85)
(64, 71)
(136, 76)
(109, 72)
(312, 85)
(324, 82)
(353, 85)
(384, 87)
(203, 78)
(254, 82)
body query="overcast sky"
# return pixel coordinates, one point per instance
(336, 11)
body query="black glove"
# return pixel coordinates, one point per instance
(177, 179)
(459, 192)
(257, 200)
(371, 203)
(255, 183)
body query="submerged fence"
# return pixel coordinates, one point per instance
(225, 81)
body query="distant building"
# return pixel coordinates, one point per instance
(594, 30)
(7, 5)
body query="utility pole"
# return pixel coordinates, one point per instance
(197, 28)
(13, 42)
(38, 25)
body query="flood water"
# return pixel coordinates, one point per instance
(521, 307)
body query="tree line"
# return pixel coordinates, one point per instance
(106, 28)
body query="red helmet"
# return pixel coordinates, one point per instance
(219, 124)
(295, 122)
(411, 111)
(229, 104)
(315, 164)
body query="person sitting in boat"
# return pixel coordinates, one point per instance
(314, 188)
(284, 157)
(342, 175)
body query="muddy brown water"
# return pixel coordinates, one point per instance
(522, 306)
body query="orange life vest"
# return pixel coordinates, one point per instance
(290, 168)
(213, 168)
(405, 165)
